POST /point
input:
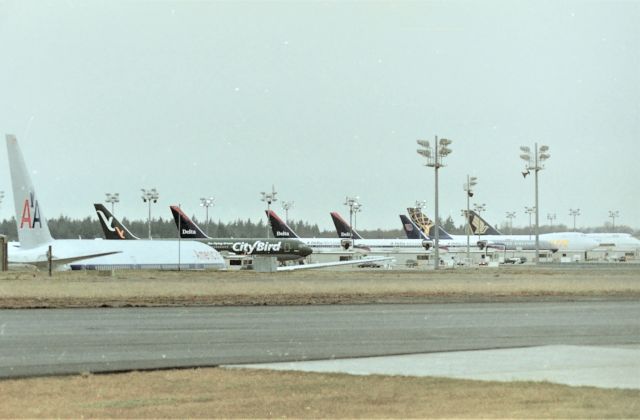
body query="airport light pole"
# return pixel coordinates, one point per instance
(551, 217)
(113, 199)
(149, 196)
(286, 206)
(468, 188)
(434, 156)
(613, 214)
(511, 215)
(529, 211)
(207, 202)
(574, 213)
(535, 163)
(351, 202)
(357, 207)
(420, 204)
(269, 198)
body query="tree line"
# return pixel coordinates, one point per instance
(64, 227)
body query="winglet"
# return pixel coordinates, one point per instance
(186, 227)
(33, 230)
(111, 226)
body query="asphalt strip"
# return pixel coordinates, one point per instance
(602, 367)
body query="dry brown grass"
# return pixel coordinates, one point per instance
(149, 288)
(256, 393)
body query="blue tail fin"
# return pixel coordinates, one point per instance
(411, 230)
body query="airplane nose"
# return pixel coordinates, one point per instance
(305, 250)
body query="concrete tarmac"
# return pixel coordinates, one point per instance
(47, 342)
(602, 367)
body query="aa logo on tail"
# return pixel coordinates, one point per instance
(30, 213)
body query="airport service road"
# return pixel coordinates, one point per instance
(42, 342)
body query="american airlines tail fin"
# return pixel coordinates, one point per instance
(426, 225)
(410, 228)
(32, 225)
(279, 227)
(111, 226)
(186, 227)
(343, 228)
(479, 226)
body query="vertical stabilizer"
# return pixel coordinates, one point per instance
(31, 223)
(479, 226)
(426, 225)
(343, 228)
(279, 227)
(111, 226)
(411, 230)
(186, 227)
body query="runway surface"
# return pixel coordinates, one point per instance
(43, 342)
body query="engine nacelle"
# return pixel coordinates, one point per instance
(346, 244)
(482, 244)
(427, 244)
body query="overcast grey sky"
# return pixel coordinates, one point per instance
(323, 100)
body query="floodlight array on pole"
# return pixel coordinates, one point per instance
(113, 199)
(149, 196)
(529, 211)
(269, 198)
(511, 215)
(472, 181)
(534, 162)
(551, 217)
(286, 206)
(434, 156)
(357, 207)
(351, 202)
(613, 214)
(207, 202)
(420, 204)
(574, 213)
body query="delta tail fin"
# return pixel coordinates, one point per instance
(479, 226)
(411, 230)
(111, 226)
(279, 227)
(342, 227)
(186, 227)
(33, 230)
(426, 225)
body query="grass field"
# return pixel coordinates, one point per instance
(237, 393)
(130, 288)
(217, 392)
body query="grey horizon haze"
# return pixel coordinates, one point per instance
(323, 100)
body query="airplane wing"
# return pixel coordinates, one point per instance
(334, 264)
(62, 261)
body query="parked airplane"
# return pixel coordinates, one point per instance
(283, 249)
(566, 241)
(421, 223)
(35, 239)
(379, 245)
(616, 241)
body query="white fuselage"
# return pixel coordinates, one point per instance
(150, 254)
